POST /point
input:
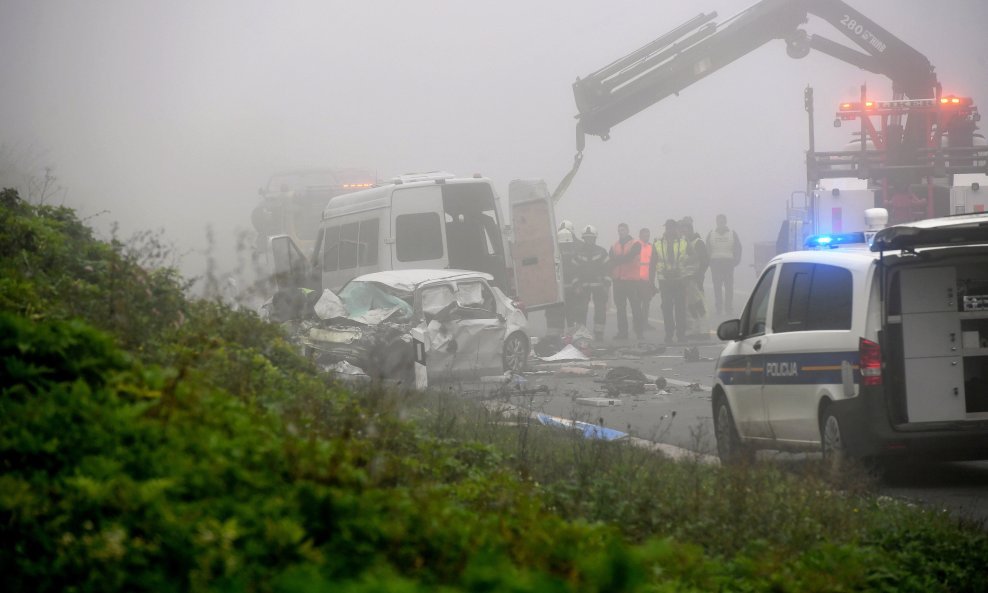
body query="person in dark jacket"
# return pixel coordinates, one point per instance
(591, 282)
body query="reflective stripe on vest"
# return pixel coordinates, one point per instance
(629, 269)
(721, 245)
(663, 262)
(646, 261)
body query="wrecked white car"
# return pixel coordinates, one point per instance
(386, 323)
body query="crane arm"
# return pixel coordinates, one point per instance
(700, 47)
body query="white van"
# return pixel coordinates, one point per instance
(867, 351)
(436, 221)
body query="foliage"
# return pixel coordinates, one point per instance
(182, 445)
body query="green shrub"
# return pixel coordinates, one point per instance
(149, 442)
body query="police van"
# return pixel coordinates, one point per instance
(865, 345)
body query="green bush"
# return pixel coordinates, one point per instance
(150, 442)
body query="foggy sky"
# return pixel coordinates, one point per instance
(172, 114)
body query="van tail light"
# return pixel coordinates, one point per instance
(870, 362)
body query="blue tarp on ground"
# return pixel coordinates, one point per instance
(590, 431)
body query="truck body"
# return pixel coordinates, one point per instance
(913, 142)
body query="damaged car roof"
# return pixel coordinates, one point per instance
(407, 280)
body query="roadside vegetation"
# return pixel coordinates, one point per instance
(153, 442)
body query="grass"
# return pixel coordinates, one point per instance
(149, 441)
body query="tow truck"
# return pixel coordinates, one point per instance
(919, 136)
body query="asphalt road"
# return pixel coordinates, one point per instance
(680, 415)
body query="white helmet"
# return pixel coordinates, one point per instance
(590, 230)
(566, 225)
(564, 235)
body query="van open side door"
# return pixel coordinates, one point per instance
(291, 268)
(534, 252)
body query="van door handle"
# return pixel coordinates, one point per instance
(757, 345)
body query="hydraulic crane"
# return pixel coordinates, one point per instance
(916, 139)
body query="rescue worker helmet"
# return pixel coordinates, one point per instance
(590, 231)
(566, 225)
(564, 236)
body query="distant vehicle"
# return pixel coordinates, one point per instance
(292, 202)
(864, 349)
(467, 327)
(433, 220)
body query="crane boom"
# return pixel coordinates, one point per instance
(700, 47)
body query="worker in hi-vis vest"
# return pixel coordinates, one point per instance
(725, 255)
(625, 257)
(668, 274)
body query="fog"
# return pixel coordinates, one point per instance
(171, 114)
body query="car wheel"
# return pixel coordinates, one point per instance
(515, 353)
(730, 449)
(832, 440)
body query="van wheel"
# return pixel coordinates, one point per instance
(832, 440)
(515, 357)
(730, 449)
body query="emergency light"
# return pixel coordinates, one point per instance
(834, 240)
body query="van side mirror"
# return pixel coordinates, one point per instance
(729, 330)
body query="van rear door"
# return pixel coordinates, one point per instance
(418, 233)
(534, 252)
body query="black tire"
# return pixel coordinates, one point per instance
(730, 449)
(832, 444)
(515, 354)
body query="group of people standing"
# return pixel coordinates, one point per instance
(673, 266)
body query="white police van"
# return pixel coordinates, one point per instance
(872, 345)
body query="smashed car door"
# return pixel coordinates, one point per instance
(462, 341)
(479, 327)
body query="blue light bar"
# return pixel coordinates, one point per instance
(833, 241)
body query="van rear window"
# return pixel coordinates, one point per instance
(418, 236)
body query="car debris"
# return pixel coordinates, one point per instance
(599, 402)
(385, 323)
(575, 371)
(588, 430)
(569, 352)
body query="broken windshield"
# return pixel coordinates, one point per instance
(359, 298)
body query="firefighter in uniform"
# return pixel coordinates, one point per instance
(625, 269)
(591, 282)
(561, 316)
(668, 275)
(695, 270)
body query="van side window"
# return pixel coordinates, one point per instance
(812, 297)
(331, 257)
(418, 236)
(756, 312)
(830, 298)
(792, 298)
(348, 246)
(368, 242)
